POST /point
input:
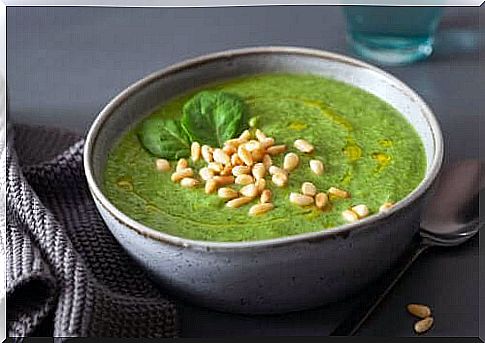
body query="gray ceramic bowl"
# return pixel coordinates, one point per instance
(277, 275)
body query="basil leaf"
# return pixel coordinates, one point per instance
(164, 138)
(213, 117)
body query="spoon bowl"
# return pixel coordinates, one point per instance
(451, 212)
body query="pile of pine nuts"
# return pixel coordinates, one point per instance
(424, 313)
(246, 161)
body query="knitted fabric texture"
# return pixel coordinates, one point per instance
(62, 261)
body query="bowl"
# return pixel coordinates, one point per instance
(276, 275)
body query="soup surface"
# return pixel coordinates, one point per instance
(366, 146)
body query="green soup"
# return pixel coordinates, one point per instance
(367, 147)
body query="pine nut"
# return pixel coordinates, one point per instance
(423, 325)
(350, 216)
(280, 179)
(308, 188)
(418, 310)
(244, 179)
(235, 160)
(258, 155)
(316, 166)
(361, 210)
(182, 164)
(210, 186)
(290, 161)
(227, 193)
(177, 176)
(221, 157)
(249, 190)
(260, 135)
(238, 202)
(189, 182)
(245, 136)
(241, 170)
(223, 180)
(259, 171)
(235, 142)
(339, 193)
(265, 196)
(277, 170)
(162, 165)
(229, 149)
(207, 153)
(226, 171)
(252, 145)
(195, 151)
(267, 161)
(245, 155)
(260, 209)
(304, 146)
(260, 185)
(276, 150)
(206, 173)
(215, 166)
(300, 199)
(267, 142)
(386, 206)
(321, 200)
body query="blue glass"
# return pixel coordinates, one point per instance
(392, 35)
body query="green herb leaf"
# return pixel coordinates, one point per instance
(213, 117)
(164, 138)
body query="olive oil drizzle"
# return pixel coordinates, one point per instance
(125, 184)
(382, 159)
(352, 151)
(323, 108)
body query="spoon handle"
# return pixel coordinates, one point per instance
(354, 321)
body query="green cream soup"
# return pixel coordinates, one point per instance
(366, 146)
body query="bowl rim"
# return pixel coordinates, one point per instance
(341, 230)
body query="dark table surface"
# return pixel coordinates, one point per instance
(64, 64)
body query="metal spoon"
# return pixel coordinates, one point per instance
(449, 219)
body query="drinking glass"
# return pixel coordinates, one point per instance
(392, 34)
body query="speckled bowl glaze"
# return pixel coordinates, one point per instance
(277, 275)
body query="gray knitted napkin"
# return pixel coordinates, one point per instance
(63, 265)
